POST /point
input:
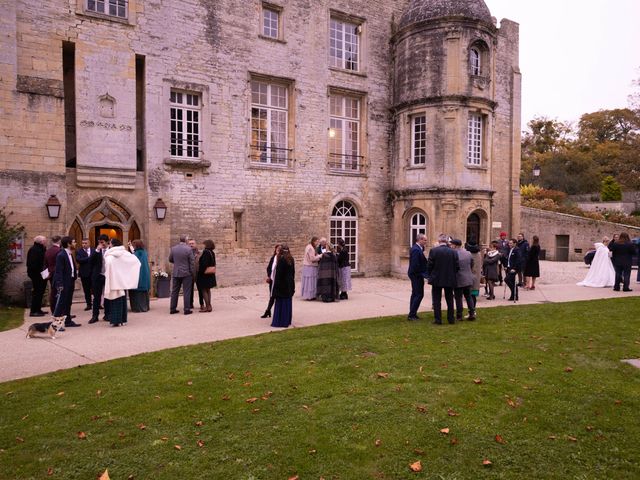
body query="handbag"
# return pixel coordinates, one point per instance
(210, 271)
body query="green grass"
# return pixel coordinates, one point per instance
(10, 317)
(336, 389)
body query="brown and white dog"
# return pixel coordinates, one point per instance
(47, 327)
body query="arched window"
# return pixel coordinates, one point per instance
(418, 224)
(344, 224)
(473, 227)
(475, 60)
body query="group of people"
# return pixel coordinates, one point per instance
(458, 272)
(107, 273)
(326, 275)
(611, 264)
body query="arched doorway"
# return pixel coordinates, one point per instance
(344, 224)
(473, 228)
(105, 216)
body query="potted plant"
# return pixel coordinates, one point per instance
(162, 283)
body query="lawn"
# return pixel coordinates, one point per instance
(539, 391)
(10, 318)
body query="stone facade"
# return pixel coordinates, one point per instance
(87, 98)
(567, 237)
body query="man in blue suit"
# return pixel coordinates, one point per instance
(64, 281)
(512, 265)
(417, 272)
(84, 270)
(442, 269)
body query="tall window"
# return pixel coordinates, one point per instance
(270, 22)
(419, 140)
(185, 124)
(344, 45)
(474, 61)
(474, 140)
(269, 119)
(418, 225)
(114, 8)
(344, 224)
(344, 133)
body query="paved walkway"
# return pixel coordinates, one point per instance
(236, 314)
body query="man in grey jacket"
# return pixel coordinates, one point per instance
(464, 281)
(183, 267)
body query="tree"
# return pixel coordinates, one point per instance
(620, 125)
(7, 234)
(610, 191)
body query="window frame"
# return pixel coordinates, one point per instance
(340, 223)
(183, 106)
(278, 10)
(82, 8)
(476, 128)
(475, 61)
(345, 161)
(414, 162)
(257, 151)
(416, 228)
(341, 62)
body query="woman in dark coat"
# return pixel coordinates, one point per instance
(532, 264)
(139, 298)
(491, 268)
(622, 251)
(284, 286)
(206, 281)
(328, 288)
(270, 274)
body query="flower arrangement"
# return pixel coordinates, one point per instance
(160, 274)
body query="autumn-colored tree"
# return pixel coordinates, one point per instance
(610, 191)
(8, 233)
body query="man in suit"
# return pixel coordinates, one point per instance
(84, 270)
(512, 265)
(442, 268)
(50, 263)
(464, 281)
(64, 281)
(196, 260)
(183, 266)
(96, 261)
(35, 265)
(417, 271)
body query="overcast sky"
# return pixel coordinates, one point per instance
(576, 56)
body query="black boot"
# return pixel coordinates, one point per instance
(266, 314)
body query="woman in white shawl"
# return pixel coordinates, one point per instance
(121, 273)
(601, 273)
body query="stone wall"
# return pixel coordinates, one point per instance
(582, 232)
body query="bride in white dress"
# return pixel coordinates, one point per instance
(601, 272)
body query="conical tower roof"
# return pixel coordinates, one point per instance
(421, 10)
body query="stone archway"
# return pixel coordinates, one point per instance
(105, 214)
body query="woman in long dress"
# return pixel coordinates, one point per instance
(310, 270)
(328, 289)
(532, 264)
(121, 273)
(271, 271)
(206, 281)
(139, 297)
(601, 273)
(284, 286)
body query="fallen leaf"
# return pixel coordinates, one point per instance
(50, 471)
(453, 441)
(96, 417)
(255, 410)
(486, 462)
(305, 407)
(231, 376)
(568, 369)
(105, 475)
(418, 451)
(421, 368)
(189, 382)
(552, 437)
(98, 392)
(19, 439)
(530, 369)
(618, 402)
(189, 397)
(25, 417)
(226, 397)
(157, 397)
(499, 439)
(82, 435)
(421, 408)
(294, 478)
(164, 439)
(416, 467)
(444, 431)
(398, 388)
(121, 434)
(200, 443)
(444, 365)
(378, 442)
(251, 400)
(60, 394)
(589, 428)
(572, 439)
(177, 447)
(142, 426)
(452, 413)
(477, 381)
(246, 384)
(383, 375)
(199, 423)
(313, 451)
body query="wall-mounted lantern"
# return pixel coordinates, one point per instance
(160, 209)
(53, 207)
